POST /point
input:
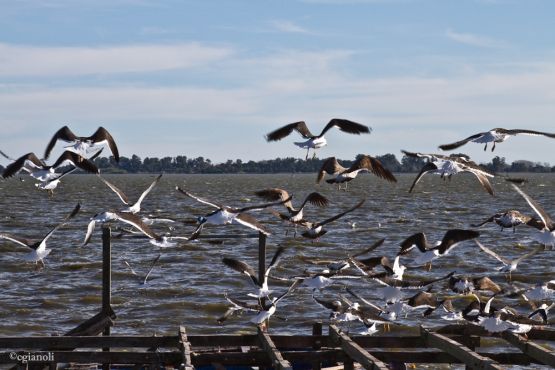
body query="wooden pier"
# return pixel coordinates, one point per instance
(453, 344)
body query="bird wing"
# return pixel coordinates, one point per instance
(145, 193)
(370, 248)
(284, 131)
(315, 199)
(116, 190)
(421, 283)
(100, 135)
(429, 166)
(529, 254)
(243, 268)
(417, 155)
(373, 165)
(151, 268)
(64, 221)
(260, 206)
(198, 199)
(331, 167)
(64, 134)
(346, 126)
(535, 223)
(455, 236)
(333, 305)
(289, 290)
(529, 132)
(331, 219)
(483, 181)
(537, 208)
(6, 156)
(274, 262)
(273, 194)
(16, 239)
(461, 142)
(88, 235)
(504, 261)
(137, 222)
(73, 159)
(29, 159)
(417, 240)
(487, 220)
(366, 302)
(247, 220)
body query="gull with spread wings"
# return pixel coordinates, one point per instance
(496, 135)
(363, 163)
(83, 144)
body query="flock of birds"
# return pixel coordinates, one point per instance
(381, 275)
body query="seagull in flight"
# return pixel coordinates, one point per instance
(547, 234)
(363, 163)
(512, 218)
(317, 141)
(83, 144)
(38, 247)
(131, 207)
(508, 265)
(496, 135)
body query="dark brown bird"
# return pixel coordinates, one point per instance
(363, 163)
(82, 144)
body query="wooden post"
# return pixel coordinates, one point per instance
(354, 352)
(262, 266)
(106, 279)
(185, 348)
(276, 358)
(317, 332)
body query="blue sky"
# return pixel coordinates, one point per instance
(210, 78)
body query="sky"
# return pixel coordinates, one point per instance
(210, 78)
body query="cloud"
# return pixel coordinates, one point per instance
(288, 26)
(474, 40)
(73, 61)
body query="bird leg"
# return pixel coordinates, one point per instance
(493, 148)
(314, 154)
(306, 158)
(486, 147)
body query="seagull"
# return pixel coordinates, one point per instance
(542, 311)
(135, 207)
(144, 280)
(244, 268)
(39, 251)
(316, 141)
(40, 171)
(547, 235)
(363, 163)
(133, 220)
(294, 215)
(224, 215)
(83, 144)
(315, 229)
(429, 252)
(508, 265)
(496, 135)
(541, 292)
(446, 166)
(512, 218)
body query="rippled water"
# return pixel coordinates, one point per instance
(188, 284)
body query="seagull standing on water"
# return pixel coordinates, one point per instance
(39, 251)
(83, 144)
(496, 135)
(317, 141)
(363, 163)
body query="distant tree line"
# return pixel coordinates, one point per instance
(182, 164)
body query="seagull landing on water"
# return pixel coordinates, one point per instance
(447, 166)
(496, 135)
(317, 141)
(508, 265)
(294, 215)
(547, 234)
(224, 215)
(39, 251)
(512, 219)
(244, 268)
(42, 172)
(135, 207)
(83, 144)
(363, 163)
(429, 252)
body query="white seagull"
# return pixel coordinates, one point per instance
(83, 144)
(131, 207)
(547, 234)
(508, 265)
(39, 251)
(496, 135)
(316, 141)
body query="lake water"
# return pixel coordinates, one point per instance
(188, 284)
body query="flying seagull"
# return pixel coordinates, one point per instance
(496, 135)
(132, 207)
(316, 141)
(429, 252)
(508, 265)
(83, 144)
(39, 251)
(42, 172)
(446, 166)
(512, 218)
(363, 163)
(547, 235)
(224, 215)
(245, 268)
(315, 229)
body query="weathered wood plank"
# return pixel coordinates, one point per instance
(530, 348)
(275, 356)
(472, 359)
(56, 343)
(185, 348)
(354, 351)
(169, 358)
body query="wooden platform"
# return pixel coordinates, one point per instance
(453, 344)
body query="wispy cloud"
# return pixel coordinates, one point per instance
(475, 40)
(288, 26)
(72, 61)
